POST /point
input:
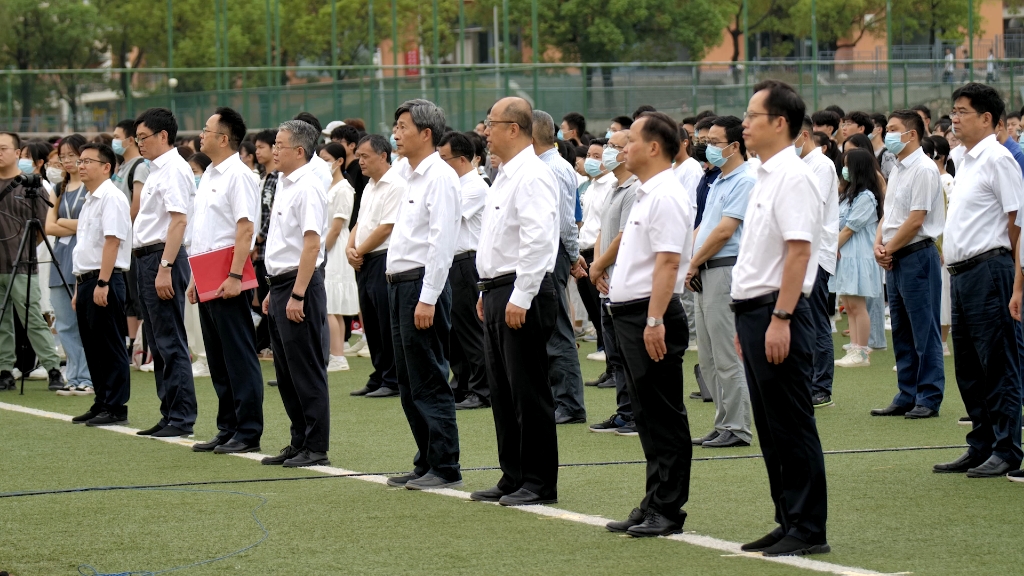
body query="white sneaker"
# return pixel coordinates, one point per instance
(67, 390)
(834, 329)
(200, 369)
(82, 390)
(854, 359)
(38, 374)
(337, 364)
(848, 346)
(691, 348)
(353, 349)
(894, 369)
(945, 349)
(888, 324)
(357, 331)
(364, 352)
(598, 356)
(146, 367)
(16, 373)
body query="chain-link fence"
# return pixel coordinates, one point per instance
(94, 100)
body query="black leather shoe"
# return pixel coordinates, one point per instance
(570, 420)
(920, 412)
(150, 431)
(766, 541)
(209, 446)
(108, 419)
(890, 410)
(726, 440)
(792, 546)
(170, 432)
(655, 524)
(524, 497)
(608, 383)
(598, 381)
(960, 465)
(361, 392)
(431, 481)
(7, 381)
(994, 467)
(471, 402)
(635, 518)
(236, 447)
(382, 392)
(490, 495)
(84, 417)
(307, 458)
(696, 395)
(711, 436)
(401, 481)
(272, 383)
(56, 379)
(287, 452)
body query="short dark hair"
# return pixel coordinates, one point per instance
(356, 123)
(861, 119)
(201, 160)
(310, 119)
(598, 142)
(567, 151)
(235, 124)
(983, 98)
(460, 144)
(127, 126)
(577, 122)
(684, 136)
(733, 131)
(581, 151)
(662, 128)
(479, 144)
(704, 124)
(159, 120)
(624, 121)
(912, 120)
(879, 120)
(705, 114)
(826, 118)
(922, 108)
(691, 120)
(15, 137)
(836, 109)
(347, 133)
(641, 109)
(337, 151)
(784, 102)
(425, 115)
(248, 147)
(106, 155)
(268, 136)
(378, 144)
(1013, 115)
(807, 124)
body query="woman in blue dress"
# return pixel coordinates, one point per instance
(858, 276)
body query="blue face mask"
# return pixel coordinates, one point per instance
(394, 145)
(592, 167)
(893, 143)
(198, 178)
(608, 135)
(610, 159)
(846, 173)
(560, 136)
(715, 157)
(118, 147)
(25, 165)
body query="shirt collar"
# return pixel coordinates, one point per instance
(742, 169)
(470, 177)
(655, 181)
(165, 158)
(812, 155)
(102, 190)
(427, 162)
(228, 162)
(915, 157)
(781, 158)
(299, 173)
(609, 177)
(388, 176)
(629, 182)
(510, 167)
(985, 144)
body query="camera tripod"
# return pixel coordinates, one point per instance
(32, 227)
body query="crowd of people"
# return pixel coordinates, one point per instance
(457, 253)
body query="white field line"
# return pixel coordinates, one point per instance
(731, 549)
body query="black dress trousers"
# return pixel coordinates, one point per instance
(592, 300)
(234, 367)
(373, 301)
(103, 330)
(656, 395)
(300, 361)
(521, 400)
(780, 395)
(467, 357)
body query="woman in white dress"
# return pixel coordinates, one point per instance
(340, 278)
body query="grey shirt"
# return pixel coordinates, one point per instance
(140, 175)
(616, 213)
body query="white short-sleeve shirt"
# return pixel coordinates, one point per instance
(170, 187)
(300, 206)
(105, 213)
(379, 205)
(828, 186)
(914, 184)
(227, 194)
(474, 198)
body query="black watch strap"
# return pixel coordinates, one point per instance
(297, 297)
(235, 276)
(101, 283)
(781, 314)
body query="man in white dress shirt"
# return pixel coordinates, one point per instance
(226, 212)
(773, 277)
(297, 303)
(101, 256)
(650, 324)
(518, 304)
(163, 271)
(467, 347)
(419, 258)
(977, 243)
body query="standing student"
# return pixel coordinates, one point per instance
(268, 188)
(226, 211)
(297, 303)
(650, 325)
(418, 264)
(515, 259)
(102, 254)
(163, 269)
(130, 178)
(774, 274)
(339, 277)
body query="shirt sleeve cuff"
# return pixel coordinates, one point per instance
(799, 235)
(666, 248)
(429, 295)
(520, 298)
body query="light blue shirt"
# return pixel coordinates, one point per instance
(728, 197)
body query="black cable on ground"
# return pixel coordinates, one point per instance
(475, 469)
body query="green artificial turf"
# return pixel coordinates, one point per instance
(887, 510)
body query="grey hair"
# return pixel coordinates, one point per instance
(378, 144)
(543, 128)
(303, 134)
(425, 114)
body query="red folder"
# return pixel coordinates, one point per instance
(210, 270)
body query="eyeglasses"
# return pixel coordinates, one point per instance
(751, 115)
(717, 143)
(84, 161)
(614, 147)
(139, 138)
(488, 123)
(205, 132)
(960, 113)
(279, 147)
(6, 149)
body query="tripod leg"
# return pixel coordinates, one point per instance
(28, 302)
(14, 268)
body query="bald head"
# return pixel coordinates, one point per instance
(520, 112)
(510, 127)
(543, 129)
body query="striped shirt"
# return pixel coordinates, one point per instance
(567, 180)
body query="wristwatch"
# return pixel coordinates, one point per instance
(297, 298)
(781, 314)
(101, 283)
(653, 322)
(166, 264)
(235, 276)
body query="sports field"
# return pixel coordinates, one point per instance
(888, 513)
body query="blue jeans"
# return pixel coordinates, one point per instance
(876, 312)
(824, 347)
(66, 322)
(915, 299)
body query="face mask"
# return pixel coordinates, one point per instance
(118, 147)
(394, 145)
(610, 159)
(592, 167)
(715, 157)
(871, 136)
(608, 135)
(893, 142)
(198, 178)
(54, 175)
(846, 173)
(560, 136)
(25, 165)
(700, 152)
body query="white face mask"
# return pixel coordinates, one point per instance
(54, 175)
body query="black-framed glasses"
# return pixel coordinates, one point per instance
(139, 139)
(84, 161)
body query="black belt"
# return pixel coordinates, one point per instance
(911, 248)
(738, 306)
(282, 278)
(375, 254)
(139, 252)
(587, 252)
(407, 276)
(631, 306)
(488, 284)
(93, 274)
(718, 263)
(464, 255)
(965, 265)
